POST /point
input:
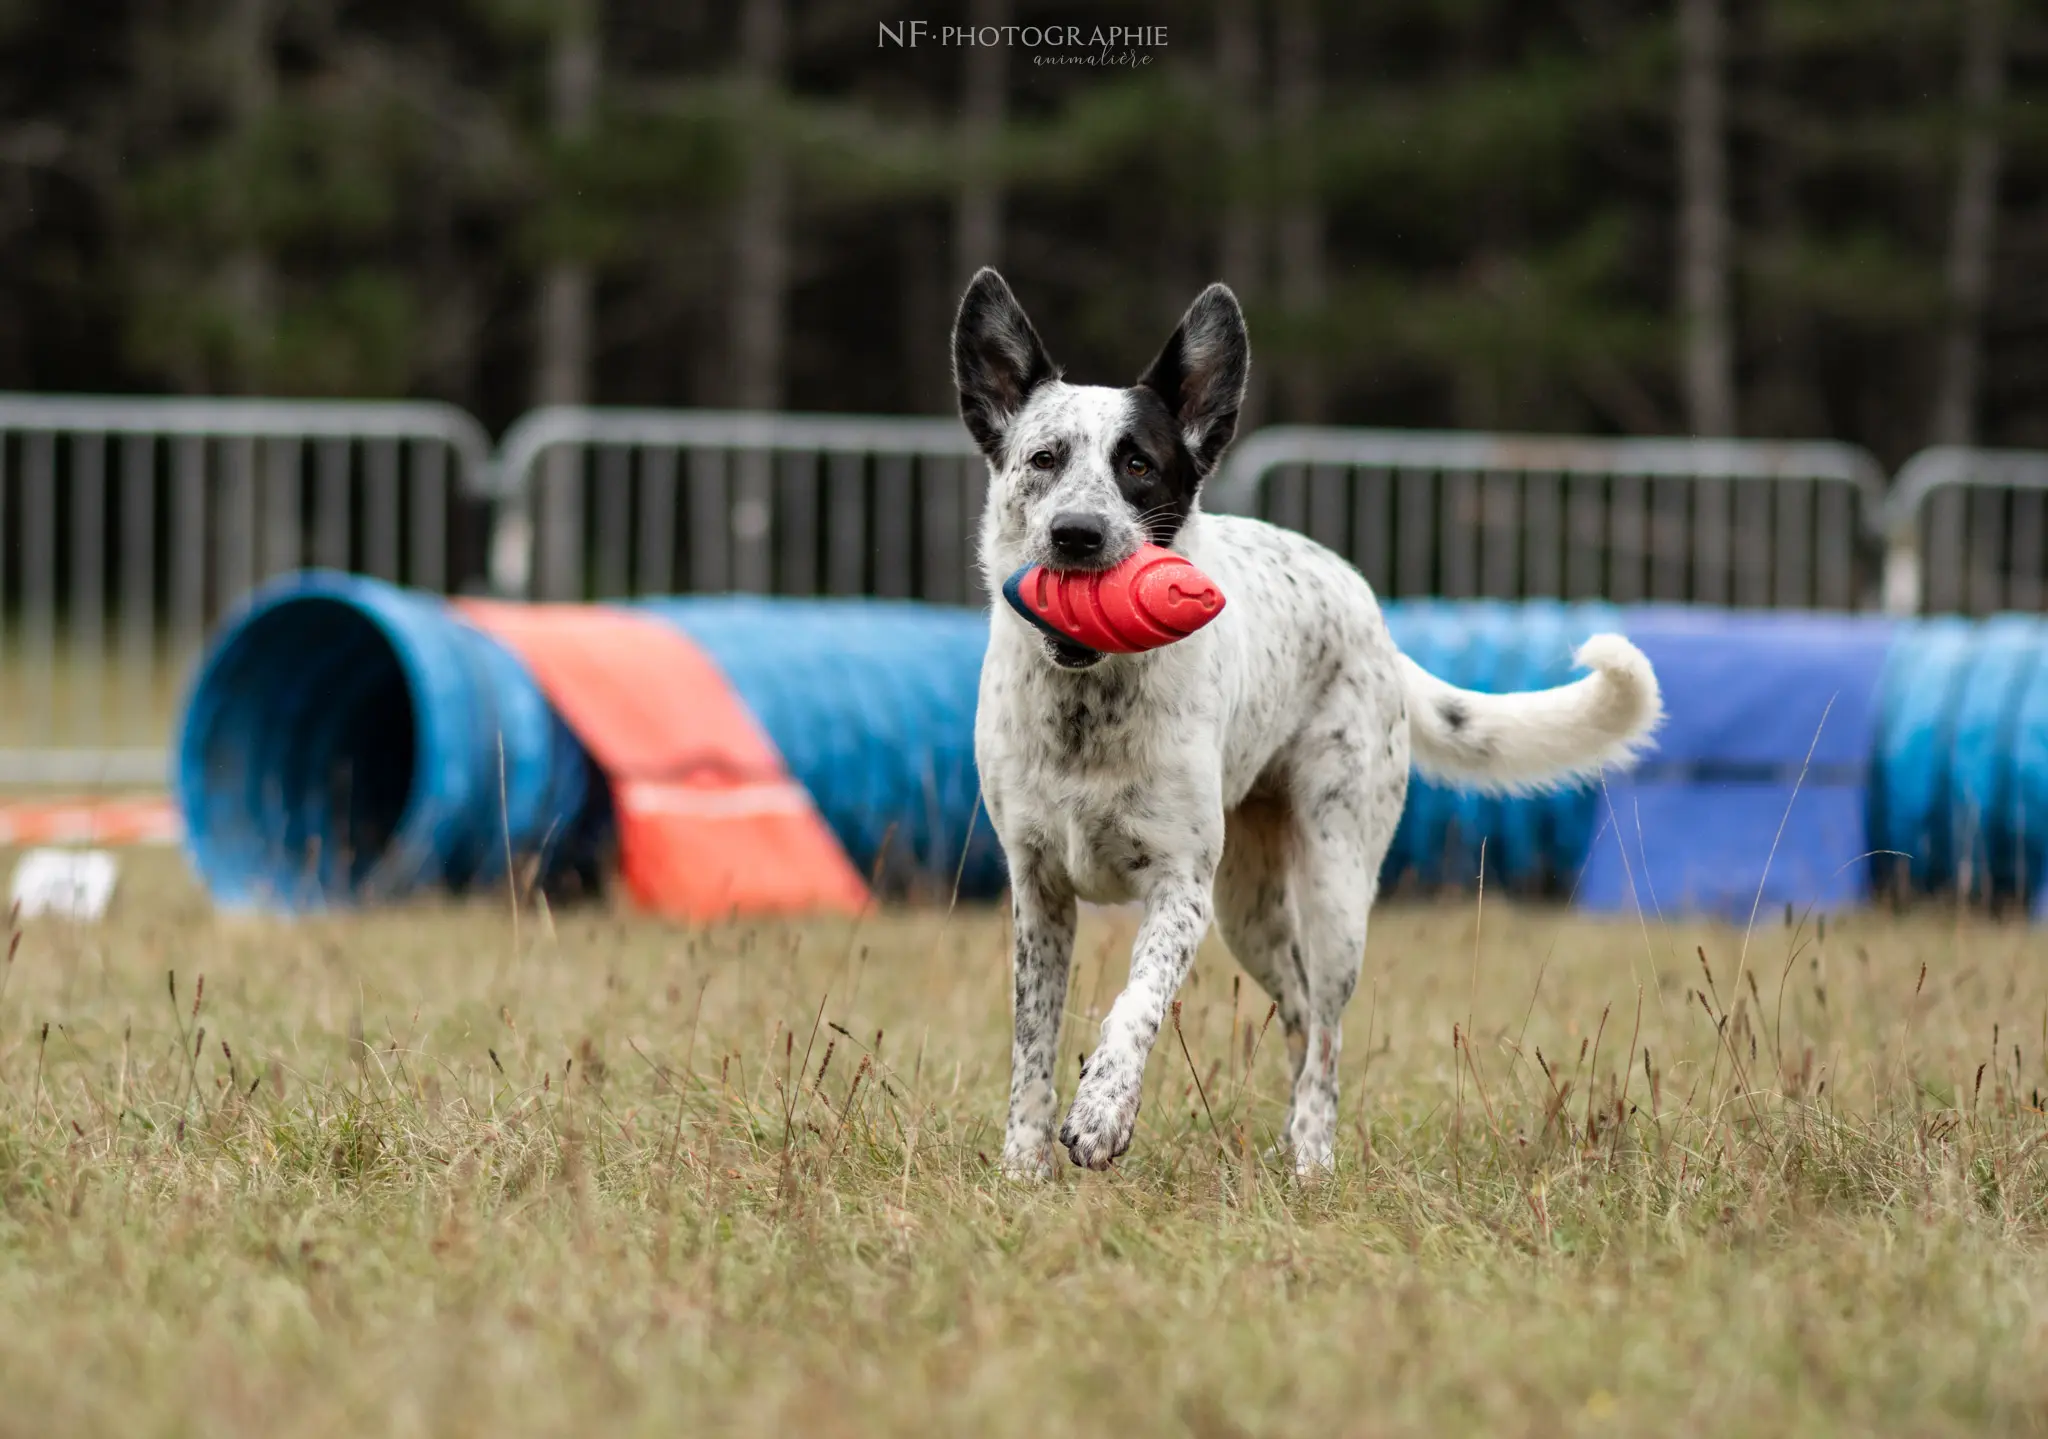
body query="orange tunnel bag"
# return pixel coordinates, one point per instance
(710, 821)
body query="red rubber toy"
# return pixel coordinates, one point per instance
(1150, 600)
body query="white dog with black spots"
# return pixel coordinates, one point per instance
(1252, 773)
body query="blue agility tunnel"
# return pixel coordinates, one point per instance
(1757, 792)
(871, 704)
(1959, 798)
(1531, 844)
(346, 741)
(1806, 759)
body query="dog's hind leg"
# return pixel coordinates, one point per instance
(1349, 780)
(1294, 896)
(1255, 913)
(1334, 898)
(1043, 910)
(1293, 904)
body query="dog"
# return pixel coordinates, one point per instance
(1252, 773)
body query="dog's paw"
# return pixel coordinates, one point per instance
(1313, 1147)
(1099, 1127)
(1029, 1162)
(1313, 1165)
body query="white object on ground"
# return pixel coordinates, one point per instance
(73, 883)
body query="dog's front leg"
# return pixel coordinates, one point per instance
(1043, 910)
(1105, 1111)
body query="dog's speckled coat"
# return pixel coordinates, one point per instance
(1252, 773)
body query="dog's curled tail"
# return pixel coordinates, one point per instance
(1514, 743)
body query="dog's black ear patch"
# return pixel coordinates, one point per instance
(998, 359)
(1200, 374)
(1164, 493)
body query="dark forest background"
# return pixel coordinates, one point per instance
(1793, 218)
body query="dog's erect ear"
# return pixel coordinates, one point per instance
(1201, 374)
(997, 359)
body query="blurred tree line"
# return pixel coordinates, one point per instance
(1765, 217)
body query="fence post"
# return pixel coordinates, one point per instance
(1902, 567)
(1959, 468)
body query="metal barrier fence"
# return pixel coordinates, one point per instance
(128, 525)
(1726, 522)
(603, 503)
(1966, 532)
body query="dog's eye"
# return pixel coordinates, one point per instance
(1137, 467)
(1043, 460)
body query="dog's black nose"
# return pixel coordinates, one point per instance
(1076, 536)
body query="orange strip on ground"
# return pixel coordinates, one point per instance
(109, 822)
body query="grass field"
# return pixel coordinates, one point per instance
(429, 1173)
